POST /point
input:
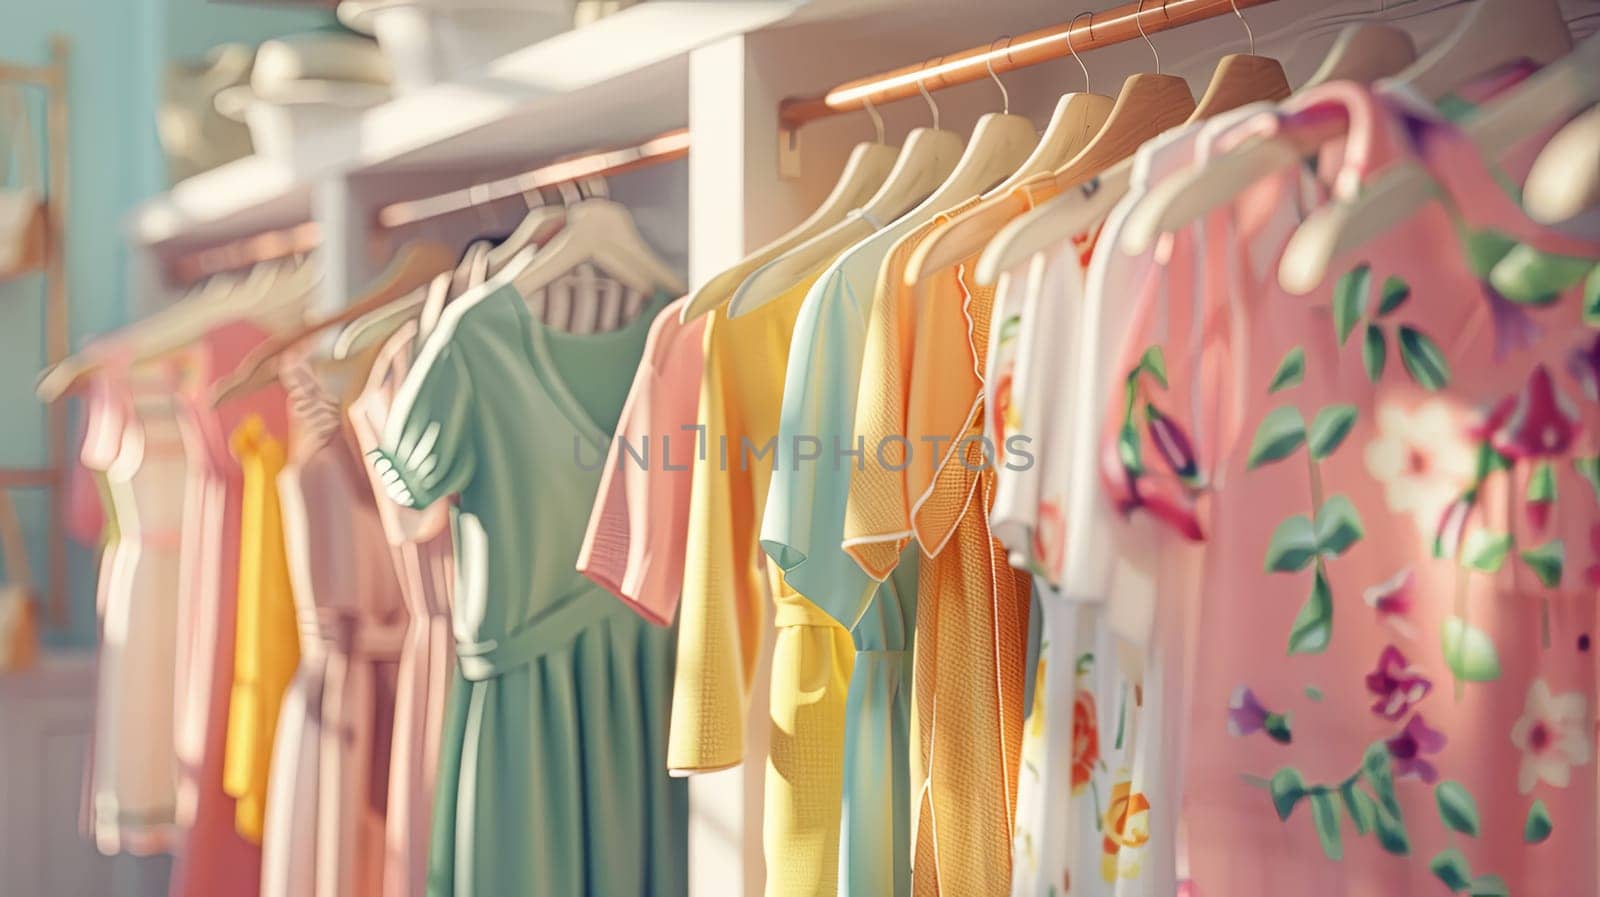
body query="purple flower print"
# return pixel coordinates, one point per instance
(1583, 363)
(1247, 716)
(1514, 329)
(1174, 447)
(1409, 745)
(1391, 600)
(1396, 685)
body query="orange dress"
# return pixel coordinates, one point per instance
(922, 390)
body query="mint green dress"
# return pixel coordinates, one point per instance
(801, 530)
(553, 773)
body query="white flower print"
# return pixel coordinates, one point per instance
(1422, 457)
(1553, 735)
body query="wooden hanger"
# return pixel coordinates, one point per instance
(375, 326)
(864, 173)
(1493, 34)
(1564, 181)
(1363, 52)
(413, 267)
(601, 231)
(1147, 105)
(1000, 143)
(271, 295)
(1555, 93)
(535, 229)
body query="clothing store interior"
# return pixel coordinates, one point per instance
(798, 448)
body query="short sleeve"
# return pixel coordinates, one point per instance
(425, 452)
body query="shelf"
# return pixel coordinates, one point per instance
(502, 115)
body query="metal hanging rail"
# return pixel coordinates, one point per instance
(1088, 32)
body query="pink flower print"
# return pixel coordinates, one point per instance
(1391, 600)
(1173, 444)
(1050, 537)
(1538, 422)
(1163, 497)
(1584, 366)
(1553, 735)
(1423, 459)
(1247, 716)
(1396, 684)
(1452, 526)
(1408, 747)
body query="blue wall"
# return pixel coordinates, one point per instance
(119, 50)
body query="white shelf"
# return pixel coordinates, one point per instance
(557, 96)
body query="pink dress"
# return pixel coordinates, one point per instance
(423, 557)
(328, 792)
(1398, 487)
(213, 860)
(638, 529)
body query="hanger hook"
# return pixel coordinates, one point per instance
(1138, 21)
(1247, 30)
(988, 63)
(872, 113)
(923, 89)
(1074, 52)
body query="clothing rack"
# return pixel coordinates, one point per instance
(51, 78)
(662, 148)
(1090, 31)
(245, 252)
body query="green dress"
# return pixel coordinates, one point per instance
(553, 775)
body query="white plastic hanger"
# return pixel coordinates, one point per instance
(601, 231)
(1363, 52)
(1564, 181)
(1147, 105)
(536, 228)
(1493, 34)
(926, 160)
(1555, 93)
(865, 171)
(1000, 142)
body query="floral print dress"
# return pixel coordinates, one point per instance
(1396, 483)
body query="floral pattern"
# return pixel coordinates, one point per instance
(1423, 459)
(1246, 716)
(1396, 685)
(1410, 747)
(1391, 601)
(1127, 830)
(1553, 735)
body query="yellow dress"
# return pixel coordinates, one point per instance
(723, 613)
(266, 636)
(922, 378)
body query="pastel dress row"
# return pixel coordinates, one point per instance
(214, 857)
(424, 561)
(1395, 482)
(553, 774)
(326, 814)
(134, 443)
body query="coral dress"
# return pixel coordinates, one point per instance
(325, 826)
(1397, 480)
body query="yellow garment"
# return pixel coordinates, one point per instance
(266, 636)
(922, 378)
(723, 612)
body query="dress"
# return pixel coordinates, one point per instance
(1396, 492)
(133, 442)
(922, 384)
(637, 534)
(722, 619)
(214, 858)
(266, 642)
(325, 827)
(425, 563)
(554, 745)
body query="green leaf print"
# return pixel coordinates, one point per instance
(1392, 295)
(1542, 484)
(1391, 833)
(1154, 363)
(1128, 449)
(1325, 812)
(1450, 866)
(1485, 550)
(1530, 277)
(1488, 886)
(1290, 371)
(1375, 765)
(1313, 626)
(1485, 249)
(1362, 809)
(1350, 299)
(1422, 359)
(1468, 651)
(1538, 826)
(1293, 545)
(1280, 433)
(1547, 562)
(1338, 526)
(1331, 425)
(1287, 788)
(1589, 469)
(1374, 352)
(1591, 298)
(1457, 808)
